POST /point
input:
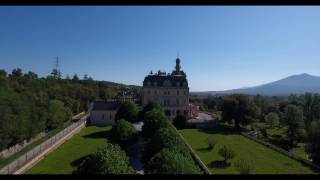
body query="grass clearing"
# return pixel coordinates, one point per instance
(64, 159)
(264, 160)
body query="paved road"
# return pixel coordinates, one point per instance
(135, 151)
(201, 118)
(205, 117)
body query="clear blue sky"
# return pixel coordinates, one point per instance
(220, 47)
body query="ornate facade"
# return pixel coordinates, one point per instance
(171, 91)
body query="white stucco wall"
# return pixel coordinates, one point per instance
(102, 117)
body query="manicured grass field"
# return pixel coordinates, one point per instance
(264, 160)
(63, 159)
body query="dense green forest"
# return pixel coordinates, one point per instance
(30, 104)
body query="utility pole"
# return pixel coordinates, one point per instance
(56, 71)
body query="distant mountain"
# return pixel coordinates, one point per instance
(296, 84)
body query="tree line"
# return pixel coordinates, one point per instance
(30, 104)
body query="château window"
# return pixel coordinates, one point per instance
(102, 116)
(149, 83)
(155, 83)
(167, 83)
(184, 92)
(185, 84)
(178, 84)
(155, 92)
(110, 116)
(177, 92)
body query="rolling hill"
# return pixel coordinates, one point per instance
(295, 84)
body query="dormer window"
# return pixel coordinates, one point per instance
(149, 83)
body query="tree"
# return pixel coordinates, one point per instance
(154, 120)
(124, 131)
(57, 114)
(294, 123)
(313, 142)
(75, 78)
(227, 153)
(243, 166)
(180, 122)
(211, 143)
(168, 161)
(16, 73)
(272, 119)
(3, 73)
(110, 159)
(85, 77)
(150, 106)
(128, 111)
(240, 108)
(31, 75)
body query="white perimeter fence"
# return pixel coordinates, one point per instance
(24, 159)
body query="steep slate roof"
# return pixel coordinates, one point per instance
(106, 105)
(161, 78)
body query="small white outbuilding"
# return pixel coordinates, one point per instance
(104, 112)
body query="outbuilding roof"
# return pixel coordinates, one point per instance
(106, 105)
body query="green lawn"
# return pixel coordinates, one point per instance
(265, 160)
(63, 159)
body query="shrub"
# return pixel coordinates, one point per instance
(123, 131)
(163, 138)
(243, 167)
(110, 159)
(169, 161)
(180, 122)
(227, 153)
(211, 143)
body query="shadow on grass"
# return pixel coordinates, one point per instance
(77, 162)
(206, 149)
(219, 164)
(101, 134)
(221, 129)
